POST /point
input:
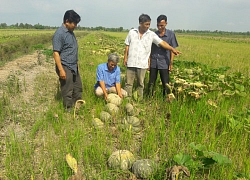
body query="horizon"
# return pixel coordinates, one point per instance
(220, 15)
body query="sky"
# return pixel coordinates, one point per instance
(212, 15)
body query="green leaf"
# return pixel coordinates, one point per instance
(183, 159)
(198, 147)
(207, 161)
(240, 93)
(239, 87)
(212, 157)
(234, 124)
(228, 93)
(220, 159)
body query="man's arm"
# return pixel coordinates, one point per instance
(125, 55)
(171, 61)
(102, 85)
(168, 47)
(57, 59)
(149, 60)
(118, 89)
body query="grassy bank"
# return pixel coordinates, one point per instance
(208, 133)
(15, 43)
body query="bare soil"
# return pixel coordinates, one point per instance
(36, 83)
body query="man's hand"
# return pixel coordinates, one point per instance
(165, 45)
(105, 95)
(125, 62)
(170, 67)
(120, 95)
(176, 52)
(125, 58)
(62, 74)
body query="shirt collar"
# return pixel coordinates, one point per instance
(64, 28)
(106, 67)
(137, 30)
(158, 33)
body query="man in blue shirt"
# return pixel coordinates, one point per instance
(65, 53)
(108, 78)
(161, 59)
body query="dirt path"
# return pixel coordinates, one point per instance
(34, 78)
(19, 64)
(23, 71)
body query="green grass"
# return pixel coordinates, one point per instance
(46, 133)
(216, 52)
(15, 43)
(7, 35)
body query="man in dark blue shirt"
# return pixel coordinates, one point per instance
(65, 53)
(161, 59)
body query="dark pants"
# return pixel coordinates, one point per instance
(71, 87)
(164, 74)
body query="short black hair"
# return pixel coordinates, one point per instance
(71, 16)
(144, 18)
(162, 17)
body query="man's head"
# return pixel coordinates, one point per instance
(144, 21)
(71, 19)
(161, 22)
(113, 59)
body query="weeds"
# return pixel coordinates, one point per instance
(188, 131)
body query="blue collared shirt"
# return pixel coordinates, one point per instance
(109, 78)
(160, 57)
(65, 43)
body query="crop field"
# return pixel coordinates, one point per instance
(215, 51)
(14, 43)
(205, 130)
(12, 35)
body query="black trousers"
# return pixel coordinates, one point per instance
(164, 74)
(71, 87)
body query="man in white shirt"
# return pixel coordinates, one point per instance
(137, 51)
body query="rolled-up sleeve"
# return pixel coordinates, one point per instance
(156, 39)
(127, 40)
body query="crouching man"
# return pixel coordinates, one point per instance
(108, 78)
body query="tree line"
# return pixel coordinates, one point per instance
(118, 29)
(39, 26)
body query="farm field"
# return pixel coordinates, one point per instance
(15, 34)
(14, 43)
(206, 128)
(215, 51)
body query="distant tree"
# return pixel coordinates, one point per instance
(3, 25)
(38, 26)
(120, 29)
(21, 25)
